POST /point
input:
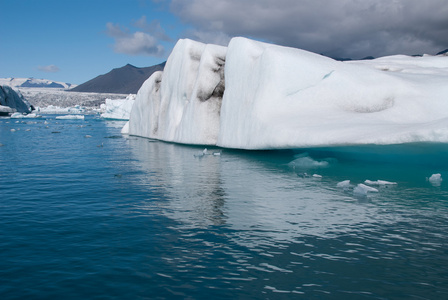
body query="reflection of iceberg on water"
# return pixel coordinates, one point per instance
(241, 193)
(254, 95)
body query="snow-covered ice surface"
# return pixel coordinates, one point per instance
(119, 109)
(253, 95)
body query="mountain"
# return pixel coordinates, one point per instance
(34, 83)
(124, 80)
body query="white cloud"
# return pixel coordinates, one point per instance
(137, 43)
(48, 69)
(343, 28)
(154, 28)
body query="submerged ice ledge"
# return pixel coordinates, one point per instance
(253, 95)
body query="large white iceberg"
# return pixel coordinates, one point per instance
(254, 95)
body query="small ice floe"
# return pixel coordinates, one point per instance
(13, 130)
(18, 115)
(379, 182)
(87, 136)
(304, 161)
(70, 117)
(343, 184)
(362, 190)
(317, 176)
(202, 153)
(435, 179)
(217, 153)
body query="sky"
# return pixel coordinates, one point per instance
(75, 41)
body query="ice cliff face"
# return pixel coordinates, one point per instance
(14, 100)
(254, 95)
(183, 103)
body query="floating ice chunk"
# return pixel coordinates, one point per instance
(436, 179)
(88, 136)
(17, 115)
(70, 117)
(344, 184)
(379, 182)
(362, 189)
(118, 109)
(317, 176)
(304, 161)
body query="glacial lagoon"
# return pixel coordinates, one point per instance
(88, 213)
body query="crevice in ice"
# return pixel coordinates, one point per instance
(157, 84)
(327, 75)
(218, 91)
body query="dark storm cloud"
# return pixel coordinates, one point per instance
(343, 28)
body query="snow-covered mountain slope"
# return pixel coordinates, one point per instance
(34, 83)
(273, 97)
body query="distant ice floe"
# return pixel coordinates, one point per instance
(119, 109)
(379, 182)
(70, 117)
(18, 115)
(363, 189)
(52, 109)
(304, 161)
(206, 152)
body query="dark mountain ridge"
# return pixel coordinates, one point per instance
(124, 80)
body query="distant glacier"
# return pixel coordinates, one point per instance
(254, 95)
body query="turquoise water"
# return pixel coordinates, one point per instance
(88, 213)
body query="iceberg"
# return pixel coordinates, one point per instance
(254, 95)
(119, 109)
(12, 99)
